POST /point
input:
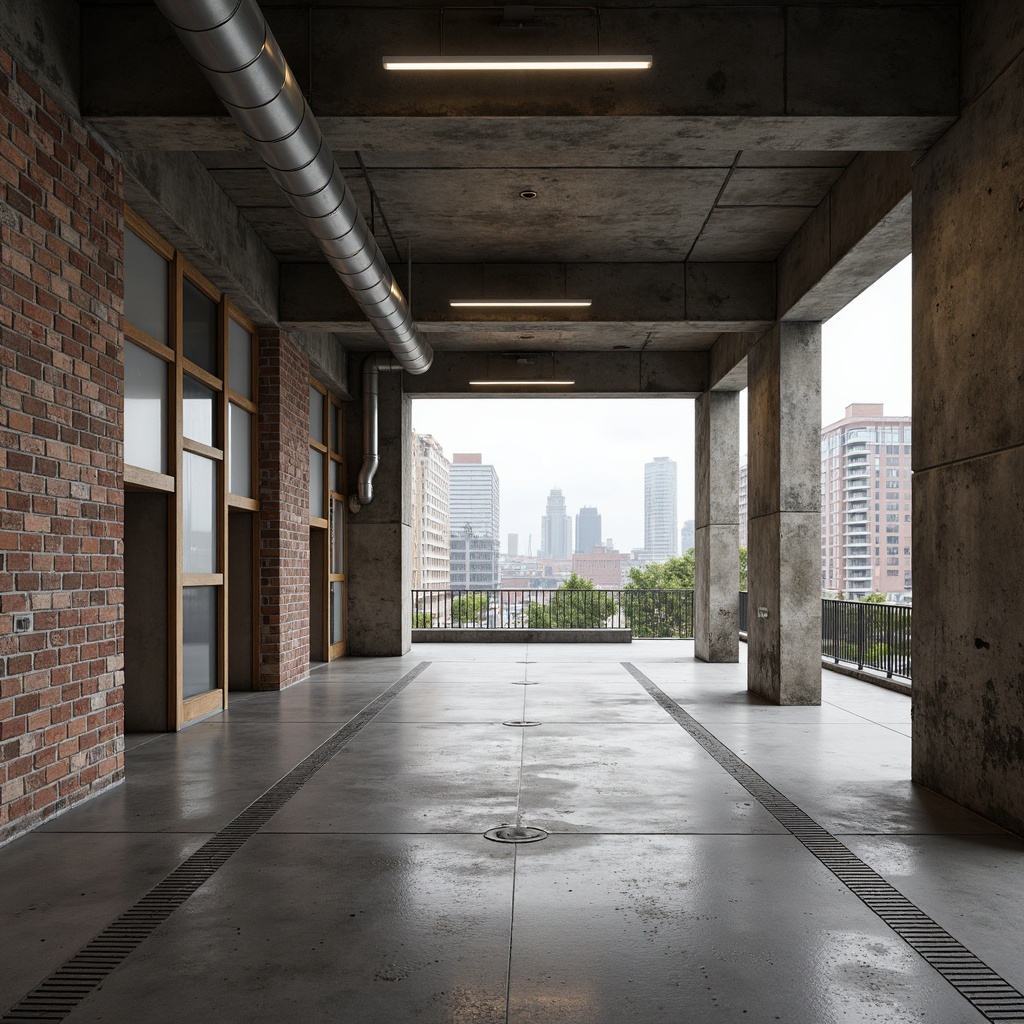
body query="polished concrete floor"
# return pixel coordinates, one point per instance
(664, 892)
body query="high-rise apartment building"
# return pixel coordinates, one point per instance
(687, 536)
(661, 530)
(865, 503)
(556, 528)
(475, 513)
(588, 530)
(743, 504)
(431, 555)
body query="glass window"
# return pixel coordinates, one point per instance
(316, 483)
(336, 484)
(199, 513)
(335, 417)
(199, 327)
(199, 412)
(316, 415)
(199, 652)
(337, 617)
(145, 287)
(337, 536)
(145, 409)
(239, 451)
(239, 359)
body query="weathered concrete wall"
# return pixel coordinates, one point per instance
(716, 541)
(379, 548)
(969, 438)
(784, 508)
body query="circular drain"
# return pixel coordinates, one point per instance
(515, 834)
(521, 723)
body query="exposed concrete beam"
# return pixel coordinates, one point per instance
(718, 72)
(327, 359)
(177, 195)
(44, 37)
(701, 296)
(676, 374)
(858, 232)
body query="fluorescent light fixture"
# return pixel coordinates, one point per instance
(569, 63)
(518, 383)
(520, 303)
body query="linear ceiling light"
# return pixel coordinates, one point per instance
(518, 383)
(521, 303)
(564, 63)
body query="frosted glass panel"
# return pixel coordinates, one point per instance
(316, 483)
(239, 359)
(145, 409)
(199, 412)
(199, 650)
(199, 327)
(332, 419)
(316, 415)
(336, 478)
(199, 510)
(337, 535)
(240, 451)
(337, 613)
(145, 287)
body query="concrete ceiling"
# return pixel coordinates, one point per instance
(720, 155)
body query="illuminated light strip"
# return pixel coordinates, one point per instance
(518, 383)
(589, 63)
(521, 303)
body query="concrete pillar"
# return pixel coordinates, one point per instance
(379, 546)
(716, 538)
(284, 511)
(784, 526)
(968, 452)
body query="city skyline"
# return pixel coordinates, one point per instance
(595, 449)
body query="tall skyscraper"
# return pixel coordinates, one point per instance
(743, 504)
(556, 528)
(687, 536)
(588, 530)
(865, 503)
(430, 515)
(475, 515)
(661, 530)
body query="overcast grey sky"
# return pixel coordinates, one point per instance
(595, 449)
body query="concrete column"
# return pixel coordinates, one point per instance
(968, 453)
(716, 540)
(380, 535)
(784, 527)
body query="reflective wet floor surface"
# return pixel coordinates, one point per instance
(664, 891)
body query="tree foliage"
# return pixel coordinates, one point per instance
(469, 608)
(675, 574)
(576, 604)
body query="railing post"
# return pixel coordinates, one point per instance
(860, 634)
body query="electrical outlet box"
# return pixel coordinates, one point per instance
(22, 623)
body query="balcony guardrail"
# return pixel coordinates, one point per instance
(872, 636)
(646, 613)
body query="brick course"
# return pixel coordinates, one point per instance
(61, 475)
(284, 511)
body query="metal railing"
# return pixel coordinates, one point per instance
(875, 636)
(646, 613)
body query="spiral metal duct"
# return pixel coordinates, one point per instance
(232, 43)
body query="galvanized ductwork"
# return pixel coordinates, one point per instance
(232, 43)
(372, 367)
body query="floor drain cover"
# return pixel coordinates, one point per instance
(522, 723)
(523, 682)
(526, 663)
(515, 834)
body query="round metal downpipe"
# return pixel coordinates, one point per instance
(372, 368)
(232, 43)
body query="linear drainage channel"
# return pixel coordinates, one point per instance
(56, 997)
(521, 723)
(988, 992)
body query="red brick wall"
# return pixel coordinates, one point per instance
(284, 511)
(61, 480)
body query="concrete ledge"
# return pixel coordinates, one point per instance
(522, 636)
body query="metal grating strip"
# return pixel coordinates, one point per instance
(988, 992)
(56, 996)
